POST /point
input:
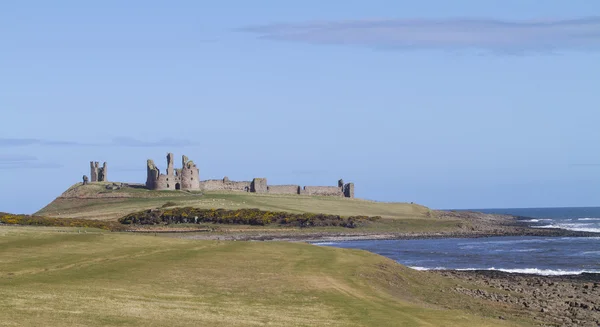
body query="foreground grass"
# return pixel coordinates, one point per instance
(58, 277)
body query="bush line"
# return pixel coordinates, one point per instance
(28, 220)
(189, 215)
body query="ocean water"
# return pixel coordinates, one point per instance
(534, 255)
(577, 219)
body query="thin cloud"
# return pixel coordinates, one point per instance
(119, 141)
(582, 34)
(585, 165)
(6, 142)
(6, 158)
(131, 142)
(9, 161)
(15, 142)
(128, 168)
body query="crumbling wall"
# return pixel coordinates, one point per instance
(170, 164)
(225, 185)
(103, 173)
(349, 190)
(283, 189)
(189, 175)
(185, 178)
(97, 173)
(165, 182)
(188, 178)
(93, 171)
(259, 185)
(152, 173)
(323, 190)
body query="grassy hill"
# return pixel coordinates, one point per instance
(58, 277)
(94, 201)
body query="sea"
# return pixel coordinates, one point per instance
(520, 254)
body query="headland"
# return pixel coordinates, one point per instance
(199, 274)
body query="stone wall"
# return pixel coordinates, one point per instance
(225, 185)
(189, 175)
(349, 190)
(259, 185)
(284, 189)
(97, 173)
(323, 190)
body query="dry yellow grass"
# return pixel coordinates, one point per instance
(93, 201)
(58, 277)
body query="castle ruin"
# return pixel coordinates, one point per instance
(187, 178)
(260, 185)
(97, 173)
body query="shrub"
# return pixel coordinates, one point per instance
(169, 204)
(189, 215)
(28, 220)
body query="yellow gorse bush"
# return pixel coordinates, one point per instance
(241, 216)
(28, 220)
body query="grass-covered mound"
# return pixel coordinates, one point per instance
(50, 278)
(190, 215)
(94, 201)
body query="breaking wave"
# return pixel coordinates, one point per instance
(324, 243)
(534, 220)
(534, 271)
(573, 227)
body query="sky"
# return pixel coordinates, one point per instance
(450, 104)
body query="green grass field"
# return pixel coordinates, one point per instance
(58, 277)
(93, 201)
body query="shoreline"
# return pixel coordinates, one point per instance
(473, 225)
(564, 300)
(313, 237)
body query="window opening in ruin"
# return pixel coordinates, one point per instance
(167, 185)
(178, 186)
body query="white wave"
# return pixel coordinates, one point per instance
(536, 220)
(583, 239)
(546, 272)
(573, 227)
(525, 250)
(590, 252)
(425, 269)
(589, 219)
(534, 271)
(470, 247)
(324, 243)
(518, 241)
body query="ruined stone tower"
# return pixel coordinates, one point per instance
(97, 173)
(185, 178)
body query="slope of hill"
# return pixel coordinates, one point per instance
(52, 278)
(95, 201)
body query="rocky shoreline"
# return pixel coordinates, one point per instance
(311, 237)
(570, 300)
(473, 225)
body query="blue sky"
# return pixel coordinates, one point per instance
(451, 104)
